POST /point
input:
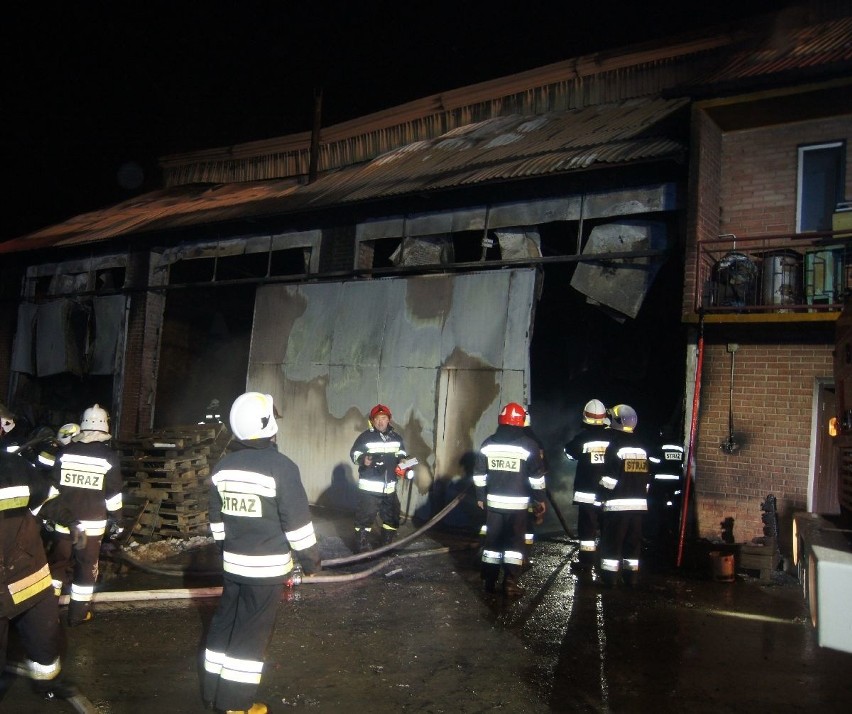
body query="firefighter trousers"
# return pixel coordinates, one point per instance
(504, 545)
(236, 642)
(588, 531)
(621, 545)
(43, 640)
(386, 505)
(79, 567)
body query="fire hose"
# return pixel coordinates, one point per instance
(313, 579)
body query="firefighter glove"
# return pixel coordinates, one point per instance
(78, 536)
(539, 509)
(114, 530)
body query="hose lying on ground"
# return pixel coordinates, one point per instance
(181, 570)
(345, 560)
(210, 592)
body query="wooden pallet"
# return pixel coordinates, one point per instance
(169, 468)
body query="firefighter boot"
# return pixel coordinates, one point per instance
(55, 689)
(363, 541)
(256, 708)
(78, 613)
(511, 587)
(489, 577)
(388, 536)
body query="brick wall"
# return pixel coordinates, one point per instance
(759, 174)
(745, 183)
(773, 401)
(703, 197)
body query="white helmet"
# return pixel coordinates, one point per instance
(623, 417)
(95, 418)
(253, 417)
(67, 432)
(594, 412)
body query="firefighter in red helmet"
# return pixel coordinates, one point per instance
(379, 453)
(509, 475)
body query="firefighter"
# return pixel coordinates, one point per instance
(27, 600)
(662, 520)
(89, 480)
(624, 498)
(379, 453)
(509, 475)
(14, 430)
(588, 449)
(258, 514)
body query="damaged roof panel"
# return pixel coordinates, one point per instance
(493, 150)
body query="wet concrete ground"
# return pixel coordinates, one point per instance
(419, 635)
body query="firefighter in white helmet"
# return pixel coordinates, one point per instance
(588, 449)
(88, 474)
(258, 514)
(625, 498)
(509, 474)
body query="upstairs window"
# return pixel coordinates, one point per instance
(820, 187)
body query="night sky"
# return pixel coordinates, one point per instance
(95, 92)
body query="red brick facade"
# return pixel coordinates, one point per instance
(745, 183)
(772, 406)
(758, 174)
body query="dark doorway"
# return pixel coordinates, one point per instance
(204, 351)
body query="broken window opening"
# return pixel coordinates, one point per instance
(197, 270)
(293, 261)
(382, 251)
(109, 280)
(242, 267)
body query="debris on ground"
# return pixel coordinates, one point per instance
(163, 549)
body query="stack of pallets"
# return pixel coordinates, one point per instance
(166, 476)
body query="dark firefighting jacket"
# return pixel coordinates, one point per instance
(628, 474)
(667, 468)
(387, 449)
(24, 574)
(509, 471)
(588, 449)
(89, 485)
(259, 512)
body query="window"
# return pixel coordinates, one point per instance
(820, 187)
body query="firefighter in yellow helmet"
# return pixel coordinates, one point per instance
(625, 498)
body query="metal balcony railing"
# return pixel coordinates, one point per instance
(784, 273)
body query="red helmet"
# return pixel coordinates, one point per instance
(379, 409)
(513, 414)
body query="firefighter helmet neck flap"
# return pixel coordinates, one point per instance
(94, 426)
(253, 417)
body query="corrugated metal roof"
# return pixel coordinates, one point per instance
(497, 149)
(787, 49)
